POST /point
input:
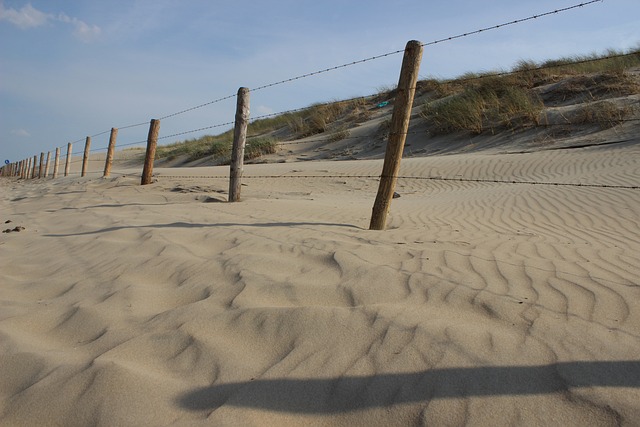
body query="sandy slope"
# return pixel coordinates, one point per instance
(484, 303)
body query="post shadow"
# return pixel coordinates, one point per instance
(345, 394)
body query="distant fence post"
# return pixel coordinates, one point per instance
(110, 151)
(41, 167)
(35, 166)
(56, 163)
(46, 165)
(397, 133)
(85, 158)
(152, 142)
(239, 140)
(67, 164)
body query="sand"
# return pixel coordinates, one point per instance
(484, 303)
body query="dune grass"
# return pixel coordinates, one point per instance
(491, 101)
(473, 102)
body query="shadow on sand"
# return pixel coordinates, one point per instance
(337, 395)
(213, 225)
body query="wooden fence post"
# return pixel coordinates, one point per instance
(239, 140)
(41, 167)
(35, 166)
(110, 151)
(56, 163)
(85, 158)
(46, 165)
(397, 134)
(152, 142)
(67, 165)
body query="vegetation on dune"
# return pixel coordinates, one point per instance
(218, 146)
(473, 103)
(478, 103)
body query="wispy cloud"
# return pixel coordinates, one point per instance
(82, 30)
(29, 17)
(20, 132)
(26, 17)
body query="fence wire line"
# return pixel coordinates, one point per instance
(297, 110)
(328, 136)
(362, 61)
(517, 21)
(540, 68)
(403, 177)
(384, 55)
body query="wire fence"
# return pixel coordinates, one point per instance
(346, 136)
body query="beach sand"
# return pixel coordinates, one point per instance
(485, 302)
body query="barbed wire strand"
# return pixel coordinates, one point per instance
(368, 97)
(384, 55)
(517, 21)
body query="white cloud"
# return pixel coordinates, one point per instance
(26, 17)
(29, 17)
(20, 132)
(82, 30)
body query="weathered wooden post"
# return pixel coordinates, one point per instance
(46, 165)
(56, 163)
(239, 140)
(110, 151)
(397, 134)
(152, 142)
(35, 166)
(67, 165)
(85, 158)
(41, 167)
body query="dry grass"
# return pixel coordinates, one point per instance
(490, 104)
(605, 114)
(219, 147)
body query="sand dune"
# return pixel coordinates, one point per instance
(484, 303)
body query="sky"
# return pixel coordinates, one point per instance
(76, 68)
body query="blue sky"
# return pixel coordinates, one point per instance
(69, 69)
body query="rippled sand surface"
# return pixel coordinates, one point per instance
(506, 291)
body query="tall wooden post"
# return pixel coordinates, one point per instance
(110, 151)
(41, 168)
(85, 157)
(67, 164)
(239, 140)
(35, 166)
(397, 134)
(152, 142)
(56, 163)
(46, 165)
